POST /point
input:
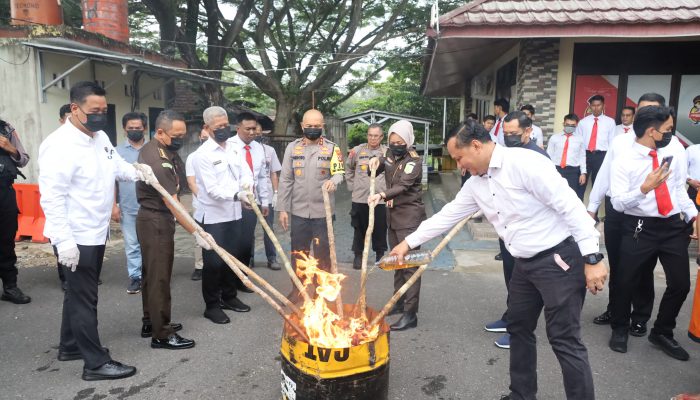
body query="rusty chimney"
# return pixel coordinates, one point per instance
(107, 17)
(44, 12)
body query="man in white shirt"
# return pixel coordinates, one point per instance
(220, 182)
(648, 186)
(536, 136)
(597, 131)
(568, 154)
(693, 180)
(626, 119)
(501, 108)
(196, 214)
(273, 168)
(547, 242)
(77, 169)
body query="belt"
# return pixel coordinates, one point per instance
(655, 220)
(596, 151)
(543, 253)
(155, 210)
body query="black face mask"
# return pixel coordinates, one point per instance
(513, 140)
(175, 144)
(135, 135)
(313, 133)
(95, 122)
(665, 139)
(222, 134)
(398, 150)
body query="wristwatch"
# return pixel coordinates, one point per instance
(593, 258)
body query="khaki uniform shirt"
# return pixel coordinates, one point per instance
(404, 193)
(357, 172)
(166, 167)
(304, 170)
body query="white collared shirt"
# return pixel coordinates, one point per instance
(189, 171)
(619, 145)
(262, 193)
(629, 170)
(219, 176)
(76, 181)
(537, 135)
(575, 153)
(272, 166)
(532, 209)
(624, 129)
(497, 137)
(605, 135)
(693, 155)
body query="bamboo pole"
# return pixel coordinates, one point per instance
(331, 248)
(412, 280)
(362, 300)
(231, 261)
(280, 251)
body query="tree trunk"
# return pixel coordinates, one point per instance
(283, 116)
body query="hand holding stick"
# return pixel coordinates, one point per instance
(365, 252)
(331, 247)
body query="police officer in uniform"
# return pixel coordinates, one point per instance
(358, 180)
(155, 228)
(405, 209)
(12, 156)
(310, 164)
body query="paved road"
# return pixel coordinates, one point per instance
(448, 356)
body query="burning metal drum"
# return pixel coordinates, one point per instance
(314, 373)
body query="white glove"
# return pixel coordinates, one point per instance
(273, 203)
(69, 257)
(202, 239)
(243, 197)
(143, 176)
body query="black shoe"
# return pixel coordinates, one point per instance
(243, 288)
(357, 262)
(64, 285)
(196, 275)
(274, 265)
(14, 295)
(408, 320)
(216, 315)
(498, 257)
(251, 263)
(669, 346)
(234, 305)
(134, 286)
(603, 319)
(73, 355)
(147, 329)
(109, 370)
(618, 341)
(172, 342)
(379, 256)
(638, 329)
(396, 309)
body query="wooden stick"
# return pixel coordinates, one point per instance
(331, 247)
(362, 300)
(231, 261)
(280, 251)
(412, 280)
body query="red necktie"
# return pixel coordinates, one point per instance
(562, 164)
(594, 135)
(663, 198)
(626, 129)
(498, 125)
(248, 157)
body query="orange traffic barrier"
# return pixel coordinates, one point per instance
(694, 328)
(31, 217)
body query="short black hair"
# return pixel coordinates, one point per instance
(503, 103)
(571, 117)
(653, 97)
(467, 131)
(472, 116)
(166, 117)
(650, 116)
(65, 109)
(81, 90)
(523, 120)
(134, 115)
(628, 108)
(490, 117)
(528, 107)
(246, 116)
(596, 97)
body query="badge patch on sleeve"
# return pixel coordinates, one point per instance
(409, 167)
(167, 165)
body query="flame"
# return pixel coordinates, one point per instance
(323, 325)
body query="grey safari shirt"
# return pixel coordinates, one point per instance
(356, 172)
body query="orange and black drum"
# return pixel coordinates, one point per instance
(313, 373)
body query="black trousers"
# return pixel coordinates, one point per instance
(508, 265)
(8, 230)
(594, 159)
(246, 239)
(411, 298)
(643, 294)
(79, 321)
(665, 239)
(219, 282)
(559, 285)
(359, 219)
(311, 232)
(572, 174)
(692, 193)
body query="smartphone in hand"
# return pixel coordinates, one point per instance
(667, 160)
